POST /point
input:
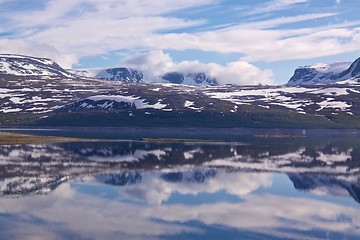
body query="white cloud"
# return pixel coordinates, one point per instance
(93, 27)
(62, 12)
(276, 5)
(157, 63)
(285, 3)
(276, 22)
(258, 43)
(35, 49)
(315, 44)
(108, 34)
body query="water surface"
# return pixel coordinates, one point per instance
(302, 188)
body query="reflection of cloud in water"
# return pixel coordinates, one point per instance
(268, 213)
(156, 190)
(90, 216)
(93, 217)
(140, 205)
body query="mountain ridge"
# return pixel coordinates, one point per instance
(26, 66)
(326, 73)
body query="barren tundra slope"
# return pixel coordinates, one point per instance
(68, 100)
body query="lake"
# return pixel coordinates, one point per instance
(303, 187)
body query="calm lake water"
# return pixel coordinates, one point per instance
(252, 188)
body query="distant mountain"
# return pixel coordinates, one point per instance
(120, 74)
(326, 73)
(130, 75)
(40, 68)
(190, 78)
(25, 66)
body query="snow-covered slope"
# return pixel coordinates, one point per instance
(109, 102)
(352, 72)
(25, 66)
(326, 73)
(318, 73)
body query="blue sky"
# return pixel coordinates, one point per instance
(243, 41)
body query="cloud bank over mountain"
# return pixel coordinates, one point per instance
(157, 63)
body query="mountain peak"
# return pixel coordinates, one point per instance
(120, 74)
(323, 73)
(27, 66)
(354, 68)
(190, 78)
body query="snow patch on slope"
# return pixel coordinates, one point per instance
(108, 102)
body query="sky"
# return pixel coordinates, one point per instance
(241, 42)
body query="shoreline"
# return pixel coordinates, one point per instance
(260, 130)
(177, 140)
(9, 138)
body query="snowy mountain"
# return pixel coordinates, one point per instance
(326, 73)
(123, 74)
(42, 68)
(190, 78)
(120, 74)
(89, 101)
(25, 66)
(38, 91)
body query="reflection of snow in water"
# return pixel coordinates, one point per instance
(293, 162)
(137, 155)
(190, 154)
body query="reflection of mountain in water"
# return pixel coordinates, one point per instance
(327, 185)
(41, 168)
(37, 169)
(197, 176)
(120, 179)
(130, 178)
